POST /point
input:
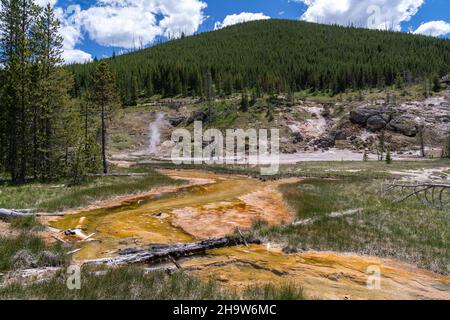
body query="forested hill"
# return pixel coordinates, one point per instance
(276, 56)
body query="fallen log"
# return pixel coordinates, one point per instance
(23, 213)
(430, 194)
(118, 175)
(36, 275)
(15, 213)
(338, 214)
(166, 252)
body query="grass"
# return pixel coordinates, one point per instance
(411, 92)
(270, 292)
(26, 224)
(29, 251)
(51, 198)
(358, 169)
(132, 283)
(325, 170)
(118, 284)
(408, 231)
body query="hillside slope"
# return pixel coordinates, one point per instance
(276, 56)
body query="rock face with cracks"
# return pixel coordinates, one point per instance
(406, 118)
(377, 118)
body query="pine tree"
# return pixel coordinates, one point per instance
(16, 20)
(447, 146)
(291, 95)
(254, 98)
(53, 86)
(106, 100)
(426, 88)
(244, 102)
(381, 145)
(3, 136)
(388, 157)
(133, 91)
(365, 156)
(421, 137)
(89, 133)
(399, 82)
(360, 96)
(436, 83)
(357, 64)
(39, 126)
(209, 95)
(149, 90)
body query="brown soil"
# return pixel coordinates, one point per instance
(6, 230)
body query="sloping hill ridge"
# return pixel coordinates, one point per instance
(276, 55)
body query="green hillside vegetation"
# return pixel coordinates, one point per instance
(275, 56)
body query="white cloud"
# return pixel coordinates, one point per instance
(76, 56)
(434, 28)
(70, 30)
(181, 16)
(239, 18)
(373, 14)
(131, 23)
(43, 3)
(125, 23)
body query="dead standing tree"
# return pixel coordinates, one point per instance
(430, 194)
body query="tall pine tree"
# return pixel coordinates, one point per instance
(106, 100)
(38, 122)
(16, 21)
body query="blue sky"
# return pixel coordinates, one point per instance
(94, 28)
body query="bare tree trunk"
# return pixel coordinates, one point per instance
(105, 164)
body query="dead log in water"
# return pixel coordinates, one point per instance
(166, 252)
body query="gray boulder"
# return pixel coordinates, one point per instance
(403, 124)
(198, 115)
(446, 79)
(24, 259)
(376, 118)
(176, 121)
(340, 135)
(361, 115)
(377, 122)
(325, 142)
(297, 138)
